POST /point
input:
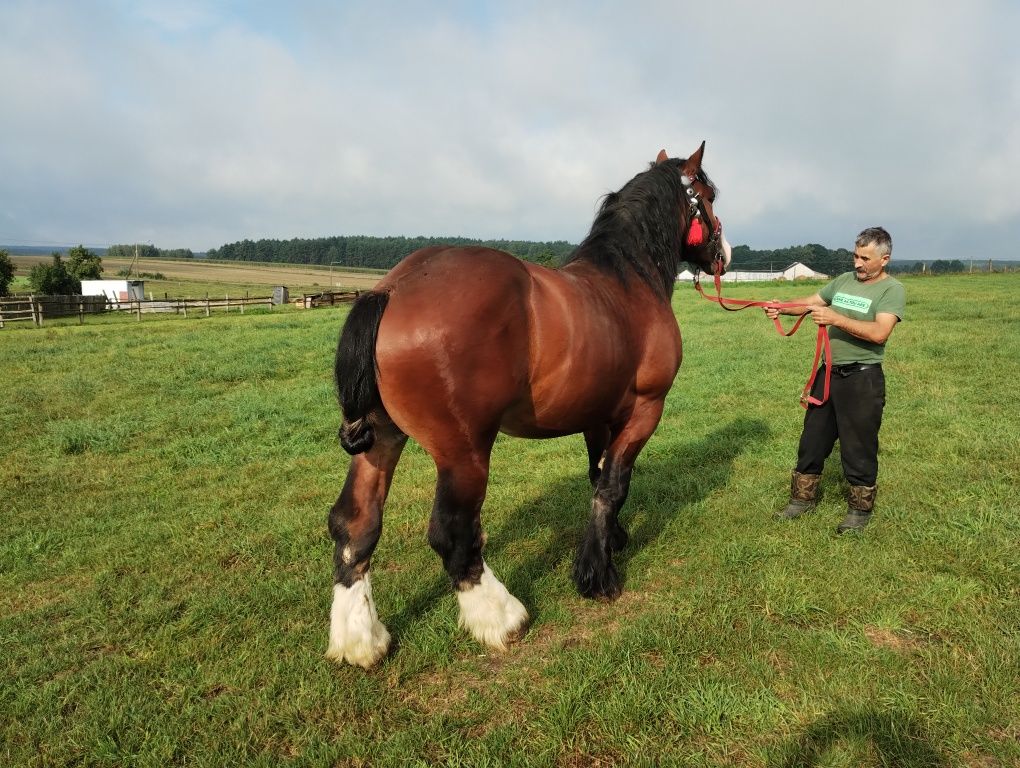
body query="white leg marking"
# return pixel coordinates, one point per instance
(490, 613)
(355, 633)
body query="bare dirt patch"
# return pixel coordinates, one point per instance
(887, 638)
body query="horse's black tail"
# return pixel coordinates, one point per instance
(355, 371)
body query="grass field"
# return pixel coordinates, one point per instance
(165, 569)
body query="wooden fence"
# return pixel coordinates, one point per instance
(17, 310)
(327, 298)
(38, 308)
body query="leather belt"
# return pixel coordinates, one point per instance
(850, 368)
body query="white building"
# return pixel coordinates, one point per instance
(115, 291)
(792, 272)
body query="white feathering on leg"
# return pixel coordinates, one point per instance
(355, 633)
(490, 613)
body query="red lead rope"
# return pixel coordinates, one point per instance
(821, 342)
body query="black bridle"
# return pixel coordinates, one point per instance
(696, 211)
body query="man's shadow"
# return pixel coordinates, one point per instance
(667, 482)
(898, 739)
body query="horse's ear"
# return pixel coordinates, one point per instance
(662, 157)
(693, 164)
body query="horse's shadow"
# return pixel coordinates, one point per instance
(897, 739)
(667, 482)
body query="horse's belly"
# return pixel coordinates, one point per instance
(534, 432)
(518, 424)
(556, 417)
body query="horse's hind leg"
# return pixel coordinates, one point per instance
(355, 522)
(487, 610)
(596, 441)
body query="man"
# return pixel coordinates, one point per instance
(861, 309)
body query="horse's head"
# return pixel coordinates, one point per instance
(704, 244)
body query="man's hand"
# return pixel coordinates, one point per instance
(823, 315)
(772, 312)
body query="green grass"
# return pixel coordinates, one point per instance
(165, 570)
(199, 289)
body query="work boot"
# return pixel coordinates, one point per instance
(803, 496)
(860, 504)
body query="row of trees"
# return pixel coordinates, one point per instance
(813, 255)
(58, 278)
(376, 252)
(828, 262)
(386, 252)
(146, 251)
(937, 267)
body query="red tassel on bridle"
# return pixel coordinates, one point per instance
(696, 233)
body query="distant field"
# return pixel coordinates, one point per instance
(197, 277)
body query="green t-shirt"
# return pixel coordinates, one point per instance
(860, 301)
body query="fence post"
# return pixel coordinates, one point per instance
(39, 312)
(185, 305)
(207, 305)
(81, 312)
(138, 309)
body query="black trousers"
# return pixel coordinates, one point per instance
(852, 415)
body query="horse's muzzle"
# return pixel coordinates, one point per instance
(721, 261)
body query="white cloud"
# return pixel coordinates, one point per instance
(174, 123)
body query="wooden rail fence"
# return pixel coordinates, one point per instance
(327, 298)
(38, 308)
(17, 310)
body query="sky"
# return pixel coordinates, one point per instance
(193, 124)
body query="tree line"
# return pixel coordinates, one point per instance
(386, 252)
(377, 252)
(59, 277)
(829, 262)
(817, 257)
(146, 251)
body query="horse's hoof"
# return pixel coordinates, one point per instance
(490, 613)
(362, 654)
(597, 586)
(355, 633)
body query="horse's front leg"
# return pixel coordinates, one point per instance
(355, 523)
(594, 572)
(487, 610)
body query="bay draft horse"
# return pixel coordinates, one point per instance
(457, 344)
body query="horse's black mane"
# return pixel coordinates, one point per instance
(638, 230)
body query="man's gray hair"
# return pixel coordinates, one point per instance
(877, 236)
